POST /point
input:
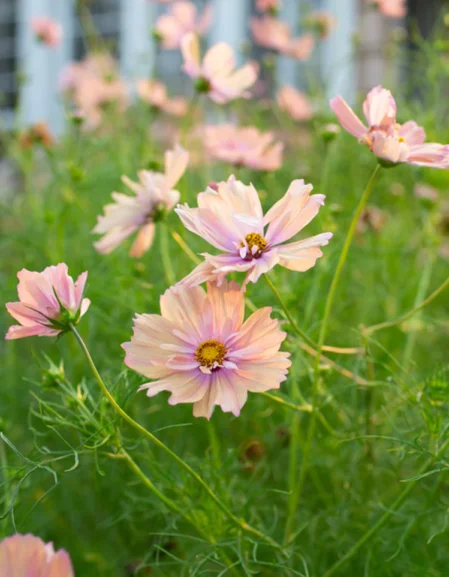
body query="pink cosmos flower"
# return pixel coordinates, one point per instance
(26, 556)
(155, 93)
(391, 8)
(271, 6)
(181, 19)
(49, 301)
(93, 84)
(243, 146)
(202, 352)
(154, 195)
(276, 35)
(295, 103)
(47, 30)
(216, 74)
(322, 22)
(231, 220)
(388, 140)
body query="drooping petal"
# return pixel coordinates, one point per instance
(302, 255)
(190, 48)
(347, 117)
(143, 241)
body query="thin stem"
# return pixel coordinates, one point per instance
(389, 512)
(240, 523)
(322, 336)
(289, 316)
(165, 255)
(403, 318)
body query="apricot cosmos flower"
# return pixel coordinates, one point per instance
(390, 141)
(295, 103)
(47, 30)
(391, 8)
(231, 219)
(216, 75)
(155, 93)
(49, 302)
(27, 555)
(276, 35)
(202, 352)
(245, 146)
(154, 195)
(181, 19)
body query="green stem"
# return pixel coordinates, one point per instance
(240, 523)
(405, 317)
(165, 255)
(389, 512)
(289, 316)
(322, 336)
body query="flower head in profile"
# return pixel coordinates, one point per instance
(270, 6)
(49, 302)
(245, 146)
(47, 30)
(202, 351)
(295, 103)
(155, 93)
(231, 220)
(216, 74)
(321, 22)
(181, 19)
(27, 555)
(390, 141)
(153, 196)
(36, 135)
(276, 35)
(391, 8)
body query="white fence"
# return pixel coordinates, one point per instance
(129, 22)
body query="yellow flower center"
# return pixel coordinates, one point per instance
(210, 354)
(254, 239)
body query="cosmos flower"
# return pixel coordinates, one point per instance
(391, 8)
(48, 302)
(154, 195)
(271, 6)
(202, 351)
(295, 103)
(216, 75)
(47, 30)
(390, 141)
(243, 146)
(27, 556)
(231, 220)
(321, 22)
(92, 85)
(276, 35)
(155, 93)
(181, 19)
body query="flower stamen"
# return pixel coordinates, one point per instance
(255, 244)
(211, 354)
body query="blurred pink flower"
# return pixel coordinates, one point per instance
(276, 35)
(232, 221)
(49, 301)
(93, 84)
(295, 103)
(202, 352)
(181, 19)
(216, 74)
(271, 6)
(27, 556)
(426, 192)
(391, 8)
(154, 195)
(321, 22)
(243, 146)
(388, 140)
(155, 93)
(47, 30)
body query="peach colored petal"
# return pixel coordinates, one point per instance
(347, 117)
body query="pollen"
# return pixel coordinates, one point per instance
(254, 239)
(211, 354)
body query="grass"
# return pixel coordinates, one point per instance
(74, 472)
